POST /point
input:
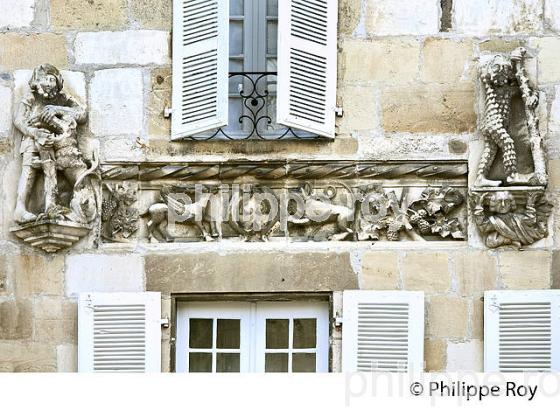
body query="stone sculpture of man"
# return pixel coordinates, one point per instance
(502, 78)
(47, 117)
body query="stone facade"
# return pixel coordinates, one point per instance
(409, 90)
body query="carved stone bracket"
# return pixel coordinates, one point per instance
(511, 217)
(508, 201)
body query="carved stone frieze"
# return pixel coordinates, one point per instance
(508, 200)
(298, 200)
(58, 198)
(120, 216)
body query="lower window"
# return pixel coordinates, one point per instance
(271, 337)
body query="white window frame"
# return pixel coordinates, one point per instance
(253, 332)
(323, 122)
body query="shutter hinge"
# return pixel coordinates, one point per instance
(165, 322)
(339, 111)
(494, 307)
(338, 320)
(167, 111)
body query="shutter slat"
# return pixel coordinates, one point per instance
(307, 42)
(119, 332)
(521, 331)
(383, 331)
(200, 66)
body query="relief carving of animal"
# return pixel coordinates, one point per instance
(207, 209)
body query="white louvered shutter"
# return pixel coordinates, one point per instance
(383, 331)
(119, 332)
(307, 47)
(522, 331)
(200, 66)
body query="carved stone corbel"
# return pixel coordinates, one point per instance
(508, 201)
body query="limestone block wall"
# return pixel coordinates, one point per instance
(407, 84)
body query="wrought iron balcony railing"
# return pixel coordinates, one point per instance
(252, 106)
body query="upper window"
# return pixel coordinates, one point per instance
(254, 69)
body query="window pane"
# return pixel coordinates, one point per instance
(200, 362)
(236, 7)
(272, 37)
(305, 333)
(200, 336)
(276, 363)
(303, 363)
(272, 7)
(277, 333)
(227, 362)
(235, 38)
(228, 333)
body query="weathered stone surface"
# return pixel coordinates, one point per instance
(465, 356)
(500, 45)
(457, 146)
(121, 148)
(249, 272)
(404, 146)
(389, 17)
(552, 15)
(162, 147)
(38, 274)
(87, 15)
(554, 120)
(361, 107)
(103, 273)
(16, 320)
(349, 14)
(548, 51)
(435, 355)
(30, 50)
(429, 108)
(477, 318)
(426, 271)
(373, 61)
(153, 14)
(380, 271)
(27, 357)
(554, 174)
(5, 287)
(556, 270)
(5, 108)
(67, 358)
(447, 60)
(447, 317)
(525, 270)
(116, 97)
(159, 100)
(47, 308)
(140, 47)
(50, 331)
(17, 13)
(476, 272)
(497, 16)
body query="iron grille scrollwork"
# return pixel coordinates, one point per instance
(255, 119)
